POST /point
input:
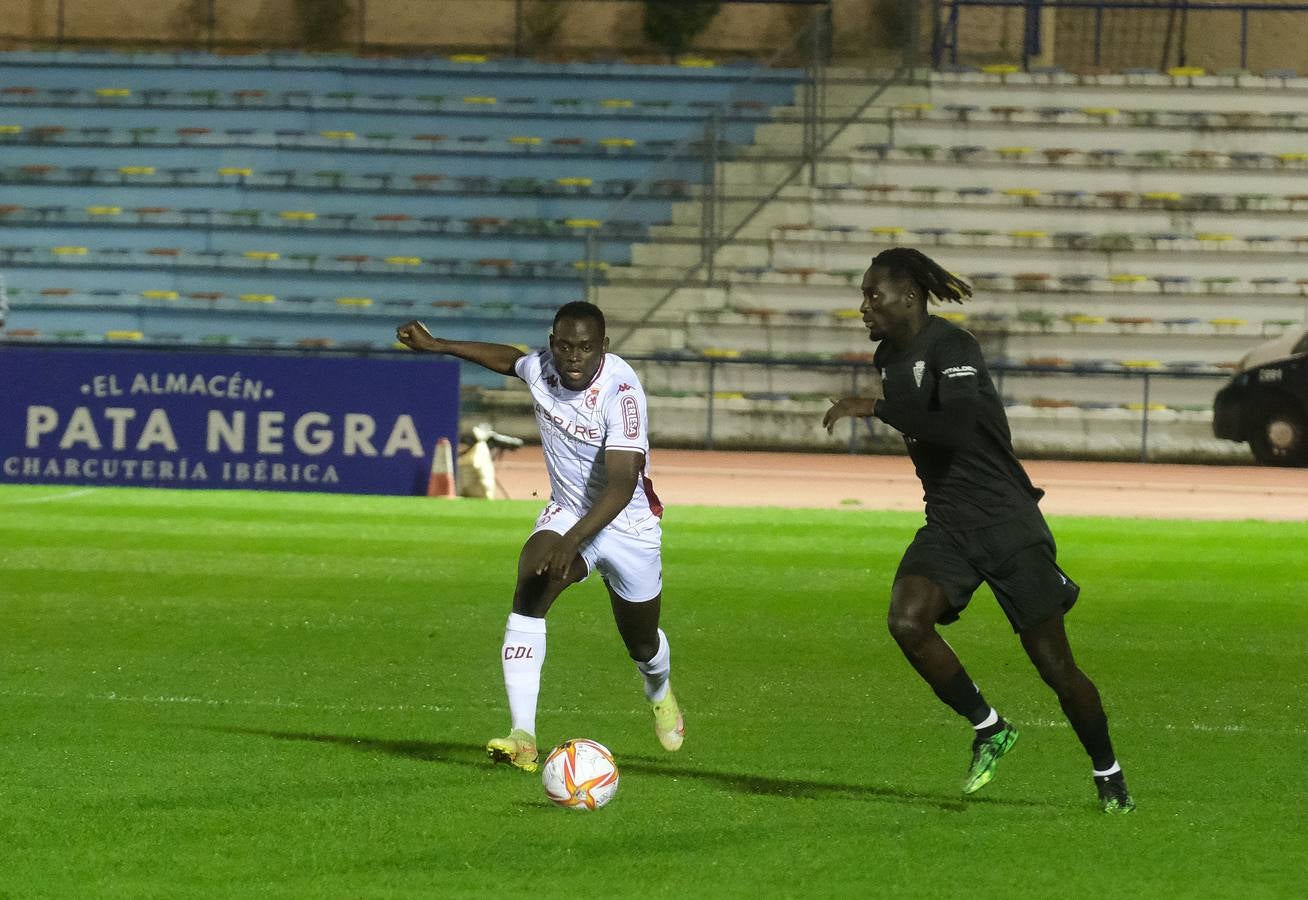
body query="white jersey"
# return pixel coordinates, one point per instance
(576, 427)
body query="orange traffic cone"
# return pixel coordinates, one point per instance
(441, 482)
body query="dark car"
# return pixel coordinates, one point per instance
(1266, 402)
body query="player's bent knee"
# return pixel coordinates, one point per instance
(907, 627)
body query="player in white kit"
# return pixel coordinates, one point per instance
(603, 513)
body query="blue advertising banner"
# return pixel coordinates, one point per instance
(194, 420)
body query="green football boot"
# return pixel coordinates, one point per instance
(518, 749)
(1113, 795)
(985, 757)
(669, 726)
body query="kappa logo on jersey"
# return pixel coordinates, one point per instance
(630, 417)
(919, 369)
(959, 371)
(552, 380)
(623, 387)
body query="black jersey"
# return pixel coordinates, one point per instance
(940, 396)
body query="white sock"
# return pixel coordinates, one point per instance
(1111, 770)
(989, 720)
(523, 654)
(655, 672)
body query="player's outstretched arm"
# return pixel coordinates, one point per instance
(623, 468)
(860, 407)
(845, 407)
(496, 357)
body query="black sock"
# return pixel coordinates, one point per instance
(964, 698)
(1093, 733)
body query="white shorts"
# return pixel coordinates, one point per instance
(630, 562)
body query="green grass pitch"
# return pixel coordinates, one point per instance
(238, 694)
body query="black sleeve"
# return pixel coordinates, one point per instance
(956, 365)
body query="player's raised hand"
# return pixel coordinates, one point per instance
(414, 335)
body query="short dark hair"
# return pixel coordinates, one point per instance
(926, 273)
(579, 309)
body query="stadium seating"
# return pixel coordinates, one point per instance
(1122, 226)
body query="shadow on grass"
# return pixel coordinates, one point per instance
(473, 755)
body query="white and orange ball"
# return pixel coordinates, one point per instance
(580, 774)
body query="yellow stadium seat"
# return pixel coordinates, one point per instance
(360, 302)
(104, 210)
(1127, 279)
(524, 140)
(617, 104)
(481, 101)
(112, 92)
(124, 335)
(575, 182)
(240, 171)
(695, 62)
(473, 58)
(404, 260)
(263, 255)
(136, 170)
(1186, 72)
(617, 142)
(69, 251)
(258, 298)
(160, 295)
(298, 215)
(338, 135)
(582, 223)
(11, 129)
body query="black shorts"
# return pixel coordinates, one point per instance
(1016, 558)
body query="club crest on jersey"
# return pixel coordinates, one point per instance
(592, 398)
(919, 369)
(552, 380)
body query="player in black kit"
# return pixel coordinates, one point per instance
(982, 521)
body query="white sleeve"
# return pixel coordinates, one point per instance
(528, 368)
(626, 418)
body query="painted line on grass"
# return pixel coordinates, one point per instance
(50, 498)
(279, 703)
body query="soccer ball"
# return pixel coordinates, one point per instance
(580, 774)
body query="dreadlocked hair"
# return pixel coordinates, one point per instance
(935, 282)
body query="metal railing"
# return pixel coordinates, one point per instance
(819, 132)
(704, 147)
(855, 374)
(948, 24)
